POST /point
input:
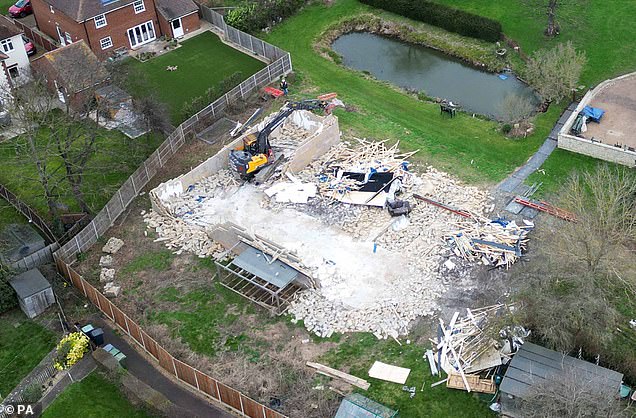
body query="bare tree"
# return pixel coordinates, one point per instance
(31, 107)
(573, 393)
(555, 72)
(514, 108)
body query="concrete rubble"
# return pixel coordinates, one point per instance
(111, 290)
(106, 261)
(113, 245)
(107, 275)
(374, 272)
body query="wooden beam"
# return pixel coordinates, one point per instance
(328, 371)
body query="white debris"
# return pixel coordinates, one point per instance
(111, 290)
(107, 275)
(106, 261)
(113, 245)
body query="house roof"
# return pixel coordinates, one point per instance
(7, 28)
(532, 364)
(29, 283)
(173, 9)
(3, 56)
(77, 66)
(81, 10)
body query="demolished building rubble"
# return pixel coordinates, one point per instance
(372, 272)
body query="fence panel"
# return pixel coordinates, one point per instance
(120, 318)
(207, 384)
(133, 329)
(105, 305)
(151, 345)
(230, 396)
(165, 360)
(251, 408)
(185, 373)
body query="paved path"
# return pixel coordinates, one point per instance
(514, 183)
(139, 367)
(75, 374)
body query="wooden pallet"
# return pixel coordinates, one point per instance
(476, 383)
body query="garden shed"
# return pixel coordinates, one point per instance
(34, 292)
(18, 241)
(533, 364)
(358, 406)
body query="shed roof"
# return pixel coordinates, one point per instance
(532, 364)
(7, 28)
(29, 283)
(173, 9)
(258, 263)
(77, 66)
(358, 406)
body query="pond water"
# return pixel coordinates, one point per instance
(424, 69)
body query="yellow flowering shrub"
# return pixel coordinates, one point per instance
(70, 350)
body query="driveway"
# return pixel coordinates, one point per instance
(143, 370)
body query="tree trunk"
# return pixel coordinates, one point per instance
(76, 189)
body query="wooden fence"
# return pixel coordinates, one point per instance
(194, 378)
(42, 256)
(36, 36)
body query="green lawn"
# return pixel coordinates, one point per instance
(470, 148)
(4, 6)
(23, 344)
(359, 351)
(93, 397)
(116, 158)
(604, 29)
(203, 62)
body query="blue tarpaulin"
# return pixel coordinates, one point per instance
(593, 113)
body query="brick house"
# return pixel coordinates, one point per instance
(109, 25)
(14, 62)
(73, 72)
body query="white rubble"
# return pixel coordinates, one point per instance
(106, 261)
(107, 275)
(113, 245)
(111, 290)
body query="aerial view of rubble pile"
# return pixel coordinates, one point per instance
(372, 232)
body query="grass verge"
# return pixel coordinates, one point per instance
(16, 360)
(94, 397)
(203, 61)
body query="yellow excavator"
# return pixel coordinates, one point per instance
(256, 152)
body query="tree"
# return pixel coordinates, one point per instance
(515, 108)
(571, 394)
(8, 298)
(568, 293)
(553, 27)
(555, 72)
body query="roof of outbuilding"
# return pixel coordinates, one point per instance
(7, 28)
(173, 9)
(532, 364)
(29, 283)
(81, 10)
(77, 66)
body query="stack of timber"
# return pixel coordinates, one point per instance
(465, 347)
(495, 242)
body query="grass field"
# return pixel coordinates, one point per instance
(23, 344)
(203, 62)
(470, 148)
(4, 6)
(603, 29)
(115, 159)
(93, 397)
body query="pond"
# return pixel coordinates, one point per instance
(417, 67)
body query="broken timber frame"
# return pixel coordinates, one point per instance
(459, 212)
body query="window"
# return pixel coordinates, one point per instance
(7, 45)
(139, 6)
(100, 21)
(141, 34)
(106, 42)
(69, 38)
(51, 8)
(13, 71)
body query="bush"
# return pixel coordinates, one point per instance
(254, 16)
(70, 350)
(32, 393)
(506, 128)
(8, 299)
(445, 17)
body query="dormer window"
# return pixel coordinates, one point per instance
(100, 21)
(139, 6)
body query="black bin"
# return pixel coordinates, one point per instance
(97, 336)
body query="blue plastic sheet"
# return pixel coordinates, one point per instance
(593, 113)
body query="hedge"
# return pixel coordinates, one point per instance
(252, 16)
(445, 17)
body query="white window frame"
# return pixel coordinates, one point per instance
(69, 38)
(108, 41)
(51, 9)
(139, 6)
(16, 68)
(139, 34)
(7, 45)
(100, 21)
